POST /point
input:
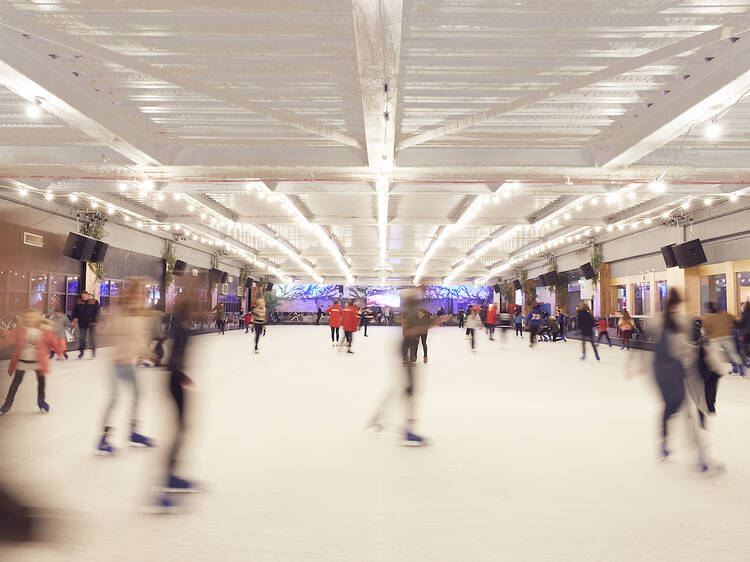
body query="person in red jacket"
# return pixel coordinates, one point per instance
(247, 318)
(491, 320)
(33, 342)
(335, 317)
(351, 324)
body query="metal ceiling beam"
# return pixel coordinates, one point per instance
(14, 19)
(568, 86)
(377, 31)
(702, 94)
(36, 77)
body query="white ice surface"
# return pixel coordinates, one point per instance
(535, 456)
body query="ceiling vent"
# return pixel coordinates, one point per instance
(33, 240)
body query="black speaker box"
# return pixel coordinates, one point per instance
(249, 283)
(497, 287)
(79, 247)
(179, 268)
(269, 287)
(99, 251)
(341, 289)
(214, 275)
(551, 278)
(541, 281)
(224, 276)
(588, 270)
(516, 284)
(667, 253)
(690, 253)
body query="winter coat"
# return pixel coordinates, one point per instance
(351, 319)
(491, 317)
(585, 322)
(86, 312)
(718, 325)
(259, 312)
(334, 316)
(47, 344)
(518, 319)
(473, 321)
(534, 318)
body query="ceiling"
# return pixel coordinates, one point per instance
(507, 129)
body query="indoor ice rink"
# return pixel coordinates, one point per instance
(343, 280)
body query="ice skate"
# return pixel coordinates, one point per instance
(138, 440)
(104, 448)
(43, 406)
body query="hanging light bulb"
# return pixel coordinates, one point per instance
(122, 186)
(713, 131)
(73, 197)
(48, 196)
(733, 197)
(160, 196)
(23, 192)
(33, 111)
(657, 186)
(707, 201)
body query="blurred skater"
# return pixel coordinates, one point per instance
(490, 320)
(675, 371)
(473, 323)
(350, 321)
(421, 338)
(61, 327)
(518, 323)
(259, 318)
(367, 316)
(460, 318)
(411, 326)
(625, 324)
(32, 343)
(220, 318)
(131, 326)
(719, 326)
(585, 323)
(534, 322)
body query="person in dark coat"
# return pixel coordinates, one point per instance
(320, 314)
(585, 322)
(86, 316)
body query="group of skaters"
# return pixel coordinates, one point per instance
(136, 335)
(254, 320)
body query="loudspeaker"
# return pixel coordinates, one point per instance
(588, 270)
(214, 275)
(497, 287)
(690, 253)
(224, 277)
(179, 268)
(516, 284)
(668, 253)
(269, 287)
(249, 283)
(341, 289)
(79, 247)
(98, 253)
(541, 281)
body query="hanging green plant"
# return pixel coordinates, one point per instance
(95, 229)
(215, 260)
(596, 262)
(170, 259)
(529, 290)
(561, 292)
(509, 293)
(244, 276)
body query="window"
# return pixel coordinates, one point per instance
(661, 295)
(618, 295)
(642, 298)
(743, 289)
(713, 289)
(39, 296)
(70, 301)
(56, 291)
(18, 291)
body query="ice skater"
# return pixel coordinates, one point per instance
(473, 323)
(518, 323)
(534, 322)
(334, 320)
(32, 343)
(132, 327)
(585, 323)
(625, 324)
(412, 326)
(676, 374)
(259, 317)
(85, 317)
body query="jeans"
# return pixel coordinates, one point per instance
(124, 373)
(16, 382)
(86, 333)
(728, 346)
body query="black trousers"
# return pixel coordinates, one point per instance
(491, 328)
(460, 322)
(470, 332)
(364, 325)
(519, 329)
(85, 334)
(589, 338)
(41, 383)
(258, 332)
(221, 325)
(602, 333)
(177, 392)
(420, 338)
(409, 350)
(334, 332)
(348, 336)
(533, 330)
